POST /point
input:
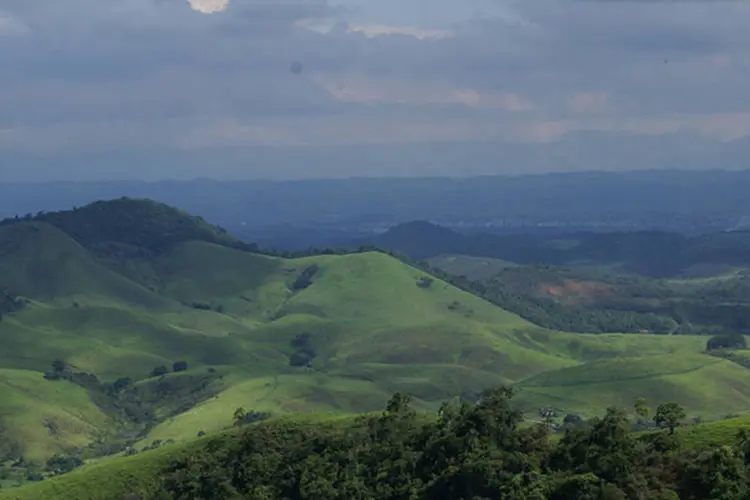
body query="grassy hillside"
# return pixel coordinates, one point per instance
(713, 434)
(709, 388)
(44, 418)
(325, 333)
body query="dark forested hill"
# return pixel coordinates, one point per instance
(651, 253)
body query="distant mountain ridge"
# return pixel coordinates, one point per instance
(689, 202)
(652, 253)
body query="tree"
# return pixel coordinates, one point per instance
(239, 416)
(59, 365)
(159, 371)
(641, 410)
(718, 473)
(60, 464)
(573, 420)
(669, 415)
(122, 383)
(179, 366)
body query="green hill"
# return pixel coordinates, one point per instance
(137, 225)
(118, 289)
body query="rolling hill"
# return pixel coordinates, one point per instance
(117, 290)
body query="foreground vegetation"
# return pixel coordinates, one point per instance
(466, 451)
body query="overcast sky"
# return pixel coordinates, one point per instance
(214, 79)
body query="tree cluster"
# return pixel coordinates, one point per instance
(726, 341)
(10, 303)
(467, 451)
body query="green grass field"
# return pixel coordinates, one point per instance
(377, 326)
(706, 387)
(716, 433)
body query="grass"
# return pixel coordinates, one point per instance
(716, 433)
(707, 387)
(46, 417)
(377, 325)
(41, 262)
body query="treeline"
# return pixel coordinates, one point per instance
(467, 451)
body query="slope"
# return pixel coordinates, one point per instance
(46, 418)
(707, 387)
(41, 262)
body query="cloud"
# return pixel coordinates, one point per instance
(82, 75)
(11, 27)
(209, 6)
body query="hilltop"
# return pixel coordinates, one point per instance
(128, 322)
(116, 226)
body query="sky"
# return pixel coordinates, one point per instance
(307, 88)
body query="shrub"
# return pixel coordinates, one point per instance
(159, 371)
(726, 341)
(304, 280)
(179, 366)
(121, 383)
(425, 282)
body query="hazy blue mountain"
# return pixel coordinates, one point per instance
(304, 212)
